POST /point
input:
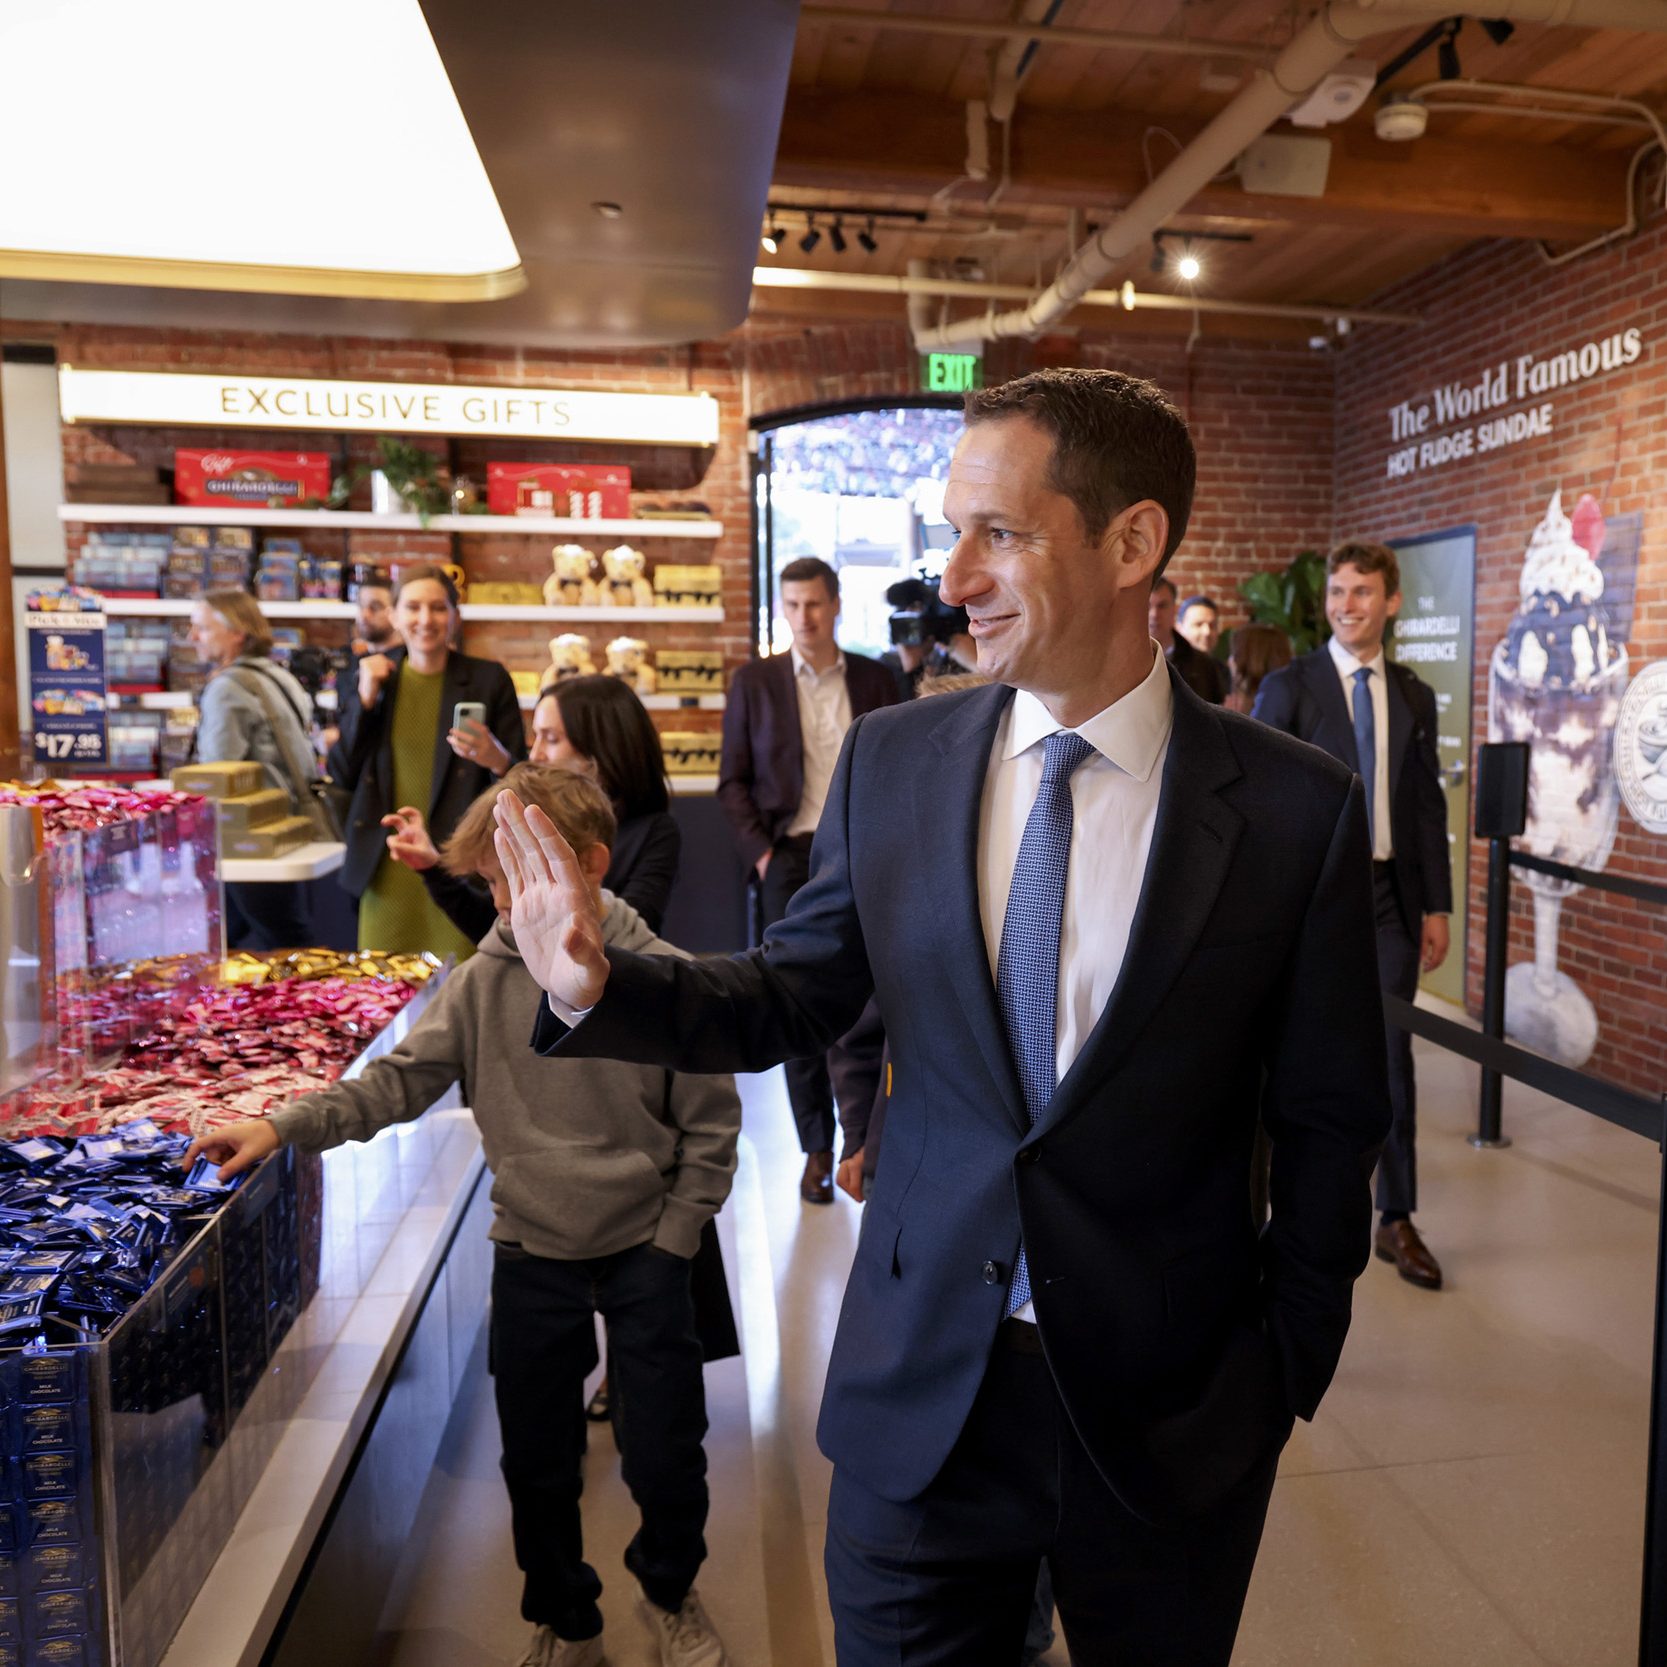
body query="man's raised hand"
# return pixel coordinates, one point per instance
(554, 913)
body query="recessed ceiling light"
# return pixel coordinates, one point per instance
(608, 211)
(71, 216)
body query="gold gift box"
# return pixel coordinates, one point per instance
(219, 781)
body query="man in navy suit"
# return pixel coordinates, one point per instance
(783, 726)
(1105, 921)
(1379, 718)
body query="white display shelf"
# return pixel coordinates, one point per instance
(355, 520)
(161, 607)
(508, 612)
(693, 784)
(305, 862)
(174, 700)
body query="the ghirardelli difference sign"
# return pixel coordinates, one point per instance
(1425, 431)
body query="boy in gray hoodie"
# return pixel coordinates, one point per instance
(603, 1176)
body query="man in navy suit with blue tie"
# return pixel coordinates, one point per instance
(1379, 718)
(1104, 922)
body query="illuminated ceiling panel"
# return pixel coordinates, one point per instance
(308, 148)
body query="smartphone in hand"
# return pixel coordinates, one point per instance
(466, 711)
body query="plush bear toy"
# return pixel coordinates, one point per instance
(628, 659)
(571, 585)
(626, 583)
(570, 657)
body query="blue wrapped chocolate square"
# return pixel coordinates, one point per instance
(47, 1377)
(57, 1613)
(54, 1522)
(58, 1652)
(49, 1475)
(55, 1568)
(44, 1428)
(8, 1576)
(11, 1621)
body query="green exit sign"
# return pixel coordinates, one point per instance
(951, 373)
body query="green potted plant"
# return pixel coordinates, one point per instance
(1292, 598)
(417, 478)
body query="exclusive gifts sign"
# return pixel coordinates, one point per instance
(66, 675)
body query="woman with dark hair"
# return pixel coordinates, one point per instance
(1254, 652)
(254, 711)
(400, 745)
(597, 727)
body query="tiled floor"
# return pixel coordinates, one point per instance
(1470, 1495)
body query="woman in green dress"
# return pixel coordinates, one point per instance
(401, 744)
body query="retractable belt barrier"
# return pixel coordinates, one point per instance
(1637, 1113)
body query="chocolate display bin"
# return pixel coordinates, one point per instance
(125, 1461)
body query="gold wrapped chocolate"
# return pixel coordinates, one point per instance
(246, 967)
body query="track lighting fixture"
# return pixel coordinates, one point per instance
(772, 239)
(1447, 54)
(836, 237)
(1187, 267)
(812, 235)
(1157, 252)
(866, 238)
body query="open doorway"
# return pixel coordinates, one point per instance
(861, 487)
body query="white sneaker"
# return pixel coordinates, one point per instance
(545, 1649)
(686, 1639)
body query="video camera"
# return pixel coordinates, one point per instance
(919, 616)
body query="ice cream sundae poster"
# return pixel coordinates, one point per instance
(1556, 680)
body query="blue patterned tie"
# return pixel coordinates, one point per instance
(1366, 742)
(1027, 965)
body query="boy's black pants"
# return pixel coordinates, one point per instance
(543, 1343)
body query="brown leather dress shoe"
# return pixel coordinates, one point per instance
(1398, 1242)
(816, 1184)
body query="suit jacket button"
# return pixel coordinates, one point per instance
(1030, 1154)
(992, 1273)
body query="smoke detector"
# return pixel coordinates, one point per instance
(1400, 119)
(1337, 97)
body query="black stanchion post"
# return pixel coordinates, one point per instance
(1652, 1626)
(1501, 814)
(1488, 1133)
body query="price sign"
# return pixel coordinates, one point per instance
(66, 676)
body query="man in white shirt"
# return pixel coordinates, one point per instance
(1105, 922)
(784, 724)
(1379, 718)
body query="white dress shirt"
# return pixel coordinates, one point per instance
(1383, 840)
(1114, 797)
(824, 716)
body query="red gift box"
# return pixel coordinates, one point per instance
(578, 491)
(252, 479)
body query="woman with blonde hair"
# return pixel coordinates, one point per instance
(253, 711)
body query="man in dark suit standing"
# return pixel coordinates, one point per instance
(784, 724)
(1205, 675)
(1379, 718)
(1105, 922)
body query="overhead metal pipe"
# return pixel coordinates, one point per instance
(915, 23)
(1311, 54)
(919, 289)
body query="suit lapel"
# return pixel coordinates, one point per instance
(1325, 688)
(453, 689)
(1400, 724)
(949, 795)
(1192, 848)
(791, 743)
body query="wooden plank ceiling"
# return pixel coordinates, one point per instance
(877, 116)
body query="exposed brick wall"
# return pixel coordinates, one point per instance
(1261, 496)
(1488, 304)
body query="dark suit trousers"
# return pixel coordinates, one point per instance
(947, 1579)
(1398, 973)
(851, 1066)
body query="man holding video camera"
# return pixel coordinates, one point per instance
(929, 639)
